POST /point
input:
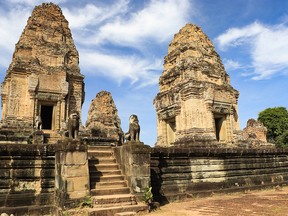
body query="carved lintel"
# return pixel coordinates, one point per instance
(170, 113)
(48, 96)
(221, 108)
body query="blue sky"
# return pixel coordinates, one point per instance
(122, 44)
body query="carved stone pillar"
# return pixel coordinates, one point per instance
(62, 113)
(58, 115)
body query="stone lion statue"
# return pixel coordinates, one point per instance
(73, 125)
(134, 129)
(38, 123)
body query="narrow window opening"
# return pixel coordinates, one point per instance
(218, 126)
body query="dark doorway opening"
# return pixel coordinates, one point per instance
(46, 116)
(218, 125)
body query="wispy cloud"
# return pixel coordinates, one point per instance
(11, 26)
(231, 64)
(267, 46)
(156, 21)
(120, 67)
(91, 15)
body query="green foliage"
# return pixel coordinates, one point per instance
(276, 121)
(148, 196)
(87, 202)
(282, 140)
(65, 213)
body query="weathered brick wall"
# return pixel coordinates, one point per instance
(26, 178)
(177, 173)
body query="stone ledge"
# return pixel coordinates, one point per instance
(26, 150)
(194, 151)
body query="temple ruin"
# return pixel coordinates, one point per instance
(87, 172)
(44, 78)
(196, 103)
(103, 120)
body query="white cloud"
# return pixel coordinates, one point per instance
(102, 26)
(239, 36)
(11, 26)
(92, 15)
(267, 46)
(231, 64)
(120, 68)
(157, 21)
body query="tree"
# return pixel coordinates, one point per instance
(276, 121)
(282, 140)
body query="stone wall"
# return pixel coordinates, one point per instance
(178, 173)
(27, 179)
(134, 161)
(71, 173)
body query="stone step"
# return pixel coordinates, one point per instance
(103, 167)
(125, 214)
(51, 137)
(108, 160)
(109, 178)
(110, 191)
(100, 154)
(110, 184)
(28, 210)
(113, 200)
(97, 173)
(102, 148)
(119, 209)
(109, 211)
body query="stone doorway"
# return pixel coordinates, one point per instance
(47, 116)
(220, 127)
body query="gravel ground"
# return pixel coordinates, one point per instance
(272, 202)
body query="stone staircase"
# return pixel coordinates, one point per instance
(110, 193)
(51, 137)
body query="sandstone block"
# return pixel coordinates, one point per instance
(75, 158)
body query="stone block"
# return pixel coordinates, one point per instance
(69, 186)
(139, 184)
(75, 158)
(79, 183)
(140, 170)
(139, 159)
(75, 171)
(78, 194)
(27, 173)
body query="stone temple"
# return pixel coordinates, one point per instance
(196, 103)
(44, 78)
(92, 171)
